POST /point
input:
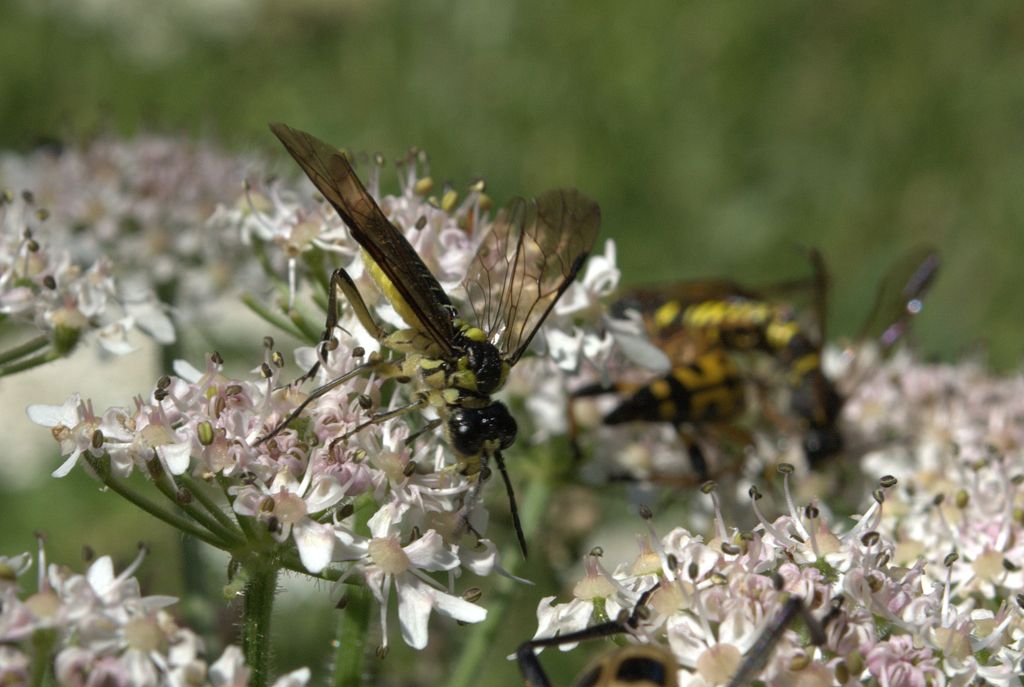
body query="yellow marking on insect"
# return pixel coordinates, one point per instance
(706, 314)
(435, 379)
(666, 314)
(802, 366)
(715, 367)
(401, 306)
(706, 402)
(464, 378)
(688, 377)
(475, 334)
(712, 314)
(650, 666)
(661, 389)
(779, 333)
(667, 409)
(711, 369)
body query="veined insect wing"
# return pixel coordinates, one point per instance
(531, 255)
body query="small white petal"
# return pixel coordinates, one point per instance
(389, 514)
(349, 546)
(458, 608)
(315, 543)
(101, 574)
(296, 678)
(325, 493)
(429, 553)
(176, 456)
(50, 416)
(630, 336)
(153, 320)
(230, 670)
(68, 465)
(114, 337)
(189, 373)
(414, 604)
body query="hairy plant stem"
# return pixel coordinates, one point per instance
(257, 609)
(351, 638)
(350, 651)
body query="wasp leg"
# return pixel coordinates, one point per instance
(376, 419)
(426, 429)
(315, 394)
(340, 279)
(695, 453)
(591, 390)
(500, 460)
(758, 655)
(529, 664)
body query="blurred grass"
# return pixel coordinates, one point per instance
(718, 137)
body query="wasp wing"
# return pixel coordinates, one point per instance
(899, 296)
(332, 174)
(534, 250)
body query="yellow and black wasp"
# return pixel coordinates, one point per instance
(531, 255)
(700, 327)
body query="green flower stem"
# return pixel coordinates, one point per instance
(101, 466)
(310, 332)
(292, 562)
(351, 639)
(30, 346)
(468, 668)
(29, 363)
(169, 488)
(353, 624)
(256, 613)
(201, 494)
(276, 320)
(43, 644)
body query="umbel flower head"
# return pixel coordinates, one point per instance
(97, 628)
(144, 205)
(45, 288)
(925, 587)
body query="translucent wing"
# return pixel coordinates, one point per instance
(533, 252)
(416, 294)
(899, 296)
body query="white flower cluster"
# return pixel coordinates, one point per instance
(145, 203)
(97, 629)
(44, 286)
(925, 588)
(341, 495)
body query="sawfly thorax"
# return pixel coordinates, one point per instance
(481, 367)
(487, 366)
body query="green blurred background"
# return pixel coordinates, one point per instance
(718, 137)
